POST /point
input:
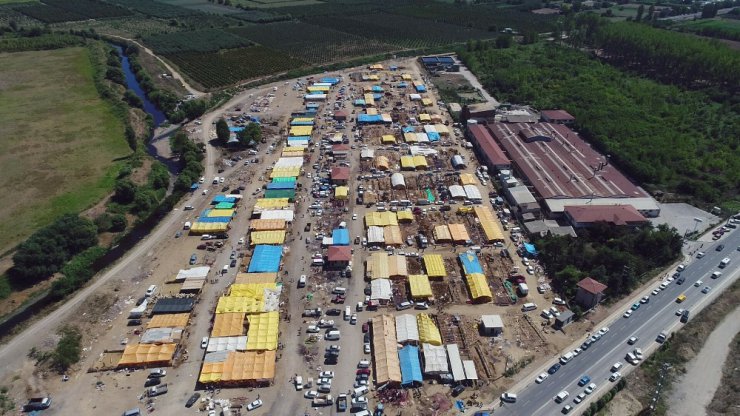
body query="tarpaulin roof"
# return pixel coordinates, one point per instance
(456, 365)
(428, 331)
(434, 265)
(366, 118)
(246, 278)
(225, 205)
(267, 225)
(267, 237)
(161, 335)
(407, 162)
(380, 289)
(193, 273)
(442, 129)
(377, 266)
(192, 285)
(301, 130)
(491, 227)
(272, 203)
(442, 233)
(146, 354)
(420, 161)
(340, 192)
(406, 328)
(285, 171)
(472, 192)
(387, 365)
(208, 227)
(367, 153)
(172, 320)
(410, 137)
(530, 248)
(381, 219)
(478, 286)
(280, 193)
(410, 365)
(294, 149)
(456, 191)
(433, 136)
(406, 77)
(420, 286)
(467, 179)
(397, 180)
(392, 235)
(405, 215)
(470, 372)
(219, 213)
(470, 263)
(330, 80)
(236, 343)
(213, 220)
(435, 359)
(429, 129)
(234, 304)
(173, 305)
(388, 138)
(414, 97)
(284, 214)
(281, 180)
(228, 324)
(252, 290)
(458, 232)
(239, 367)
(426, 102)
(375, 234)
(397, 265)
(221, 198)
(263, 331)
(289, 161)
(275, 186)
(381, 162)
(313, 88)
(266, 259)
(340, 236)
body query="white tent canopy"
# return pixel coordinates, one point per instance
(397, 180)
(375, 234)
(472, 192)
(406, 328)
(456, 364)
(289, 162)
(457, 192)
(277, 214)
(380, 289)
(194, 273)
(238, 343)
(435, 359)
(470, 372)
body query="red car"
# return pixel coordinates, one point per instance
(363, 371)
(365, 327)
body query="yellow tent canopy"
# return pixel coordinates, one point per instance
(340, 192)
(405, 215)
(467, 179)
(263, 331)
(478, 285)
(208, 227)
(301, 130)
(377, 266)
(428, 331)
(266, 237)
(434, 265)
(229, 304)
(420, 286)
(459, 233)
(491, 227)
(246, 278)
(266, 203)
(442, 233)
(169, 320)
(135, 355)
(220, 213)
(425, 117)
(407, 162)
(251, 290)
(381, 219)
(388, 138)
(420, 162)
(426, 102)
(228, 325)
(267, 225)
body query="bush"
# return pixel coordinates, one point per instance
(68, 350)
(77, 272)
(125, 191)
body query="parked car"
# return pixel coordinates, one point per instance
(254, 405)
(192, 400)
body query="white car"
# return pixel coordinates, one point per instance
(326, 374)
(354, 216)
(655, 292)
(241, 241)
(310, 394)
(312, 329)
(663, 285)
(638, 354)
(700, 254)
(540, 378)
(645, 299)
(579, 398)
(367, 348)
(353, 319)
(590, 389)
(679, 312)
(698, 283)
(615, 376)
(604, 330)
(628, 313)
(334, 347)
(204, 343)
(254, 405)
(577, 351)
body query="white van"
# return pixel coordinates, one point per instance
(225, 269)
(359, 391)
(151, 290)
(299, 383)
(302, 281)
(565, 359)
(332, 335)
(347, 313)
(187, 226)
(363, 413)
(339, 291)
(561, 396)
(631, 358)
(475, 249)
(528, 307)
(360, 307)
(515, 230)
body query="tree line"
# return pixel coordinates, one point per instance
(619, 257)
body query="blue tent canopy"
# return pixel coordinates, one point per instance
(377, 88)
(410, 366)
(367, 118)
(222, 198)
(340, 237)
(214, 219)
(281, 185)
(236, 129)
(330, 80)
(377, 96)
(266, 259)
(421, 88)
(409, 129)
(301, 123)
(470, 263)
(360, 102)
(530, 249)
(433, 136)
(402, 85)
(312, 105)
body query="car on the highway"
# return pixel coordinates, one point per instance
(663, 285)
(508, 397)
(192, 400)
(635, 306)
(627, 313)
(254, 405)
(577, 351)
(334, 347)
(700, 254)
(566, 409)
(554, 368)
(590, 388)
(638, 353)
(655, 292)
(353, 319)
(679, 312)
(706, 289)
(579, 398)
(632, 340)
(720, 247)
(540, 378)
(645, 299)
(584, 380)
(604, 330)
(615, 376)
(366, 348)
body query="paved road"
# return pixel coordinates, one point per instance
(646, 322)
(697, 15)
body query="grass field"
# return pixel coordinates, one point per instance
(59, 140)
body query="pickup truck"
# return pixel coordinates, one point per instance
(37, 403)
(342, 403)
(156, 390)
(323, 400)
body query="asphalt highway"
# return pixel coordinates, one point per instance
(659, 314)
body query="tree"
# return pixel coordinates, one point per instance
(125, 191)
(709, 11)
(640, 12)
(222, 130)
(118, 223)
(115, 75)
(68, 350)
(503, 42)
(250, 136)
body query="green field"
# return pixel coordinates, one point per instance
(715, 28)
(59, 139)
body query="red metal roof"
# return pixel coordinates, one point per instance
(591, 286)
(558, 115)
(559, 164)
(341, 173)
(613, 214)
(488, 145)
(339, 253)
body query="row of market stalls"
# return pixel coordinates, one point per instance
(408, 348)
(215, 219)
